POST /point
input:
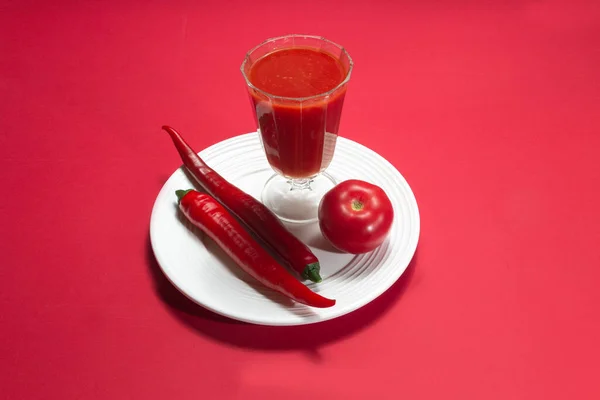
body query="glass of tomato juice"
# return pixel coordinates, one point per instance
(297, 85)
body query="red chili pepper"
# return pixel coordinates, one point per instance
(255, 215)
(212, 218)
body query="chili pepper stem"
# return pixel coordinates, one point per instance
(312, 272)
(181, 193)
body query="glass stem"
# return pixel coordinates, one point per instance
(300, 184)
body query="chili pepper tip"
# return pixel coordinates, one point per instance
(172, 132)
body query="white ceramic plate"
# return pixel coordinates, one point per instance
(205, 274)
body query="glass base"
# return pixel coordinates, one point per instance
(296, 200)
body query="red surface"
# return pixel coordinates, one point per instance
(489, 109)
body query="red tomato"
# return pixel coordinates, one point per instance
(356, 216)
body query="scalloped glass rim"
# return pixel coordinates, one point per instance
(298, 99)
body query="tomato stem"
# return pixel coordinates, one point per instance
(357, 205)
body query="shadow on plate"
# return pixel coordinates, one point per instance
(304, 337)
(312, 236)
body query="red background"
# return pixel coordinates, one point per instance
(490, 109)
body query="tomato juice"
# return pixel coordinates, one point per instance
(297, 93)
